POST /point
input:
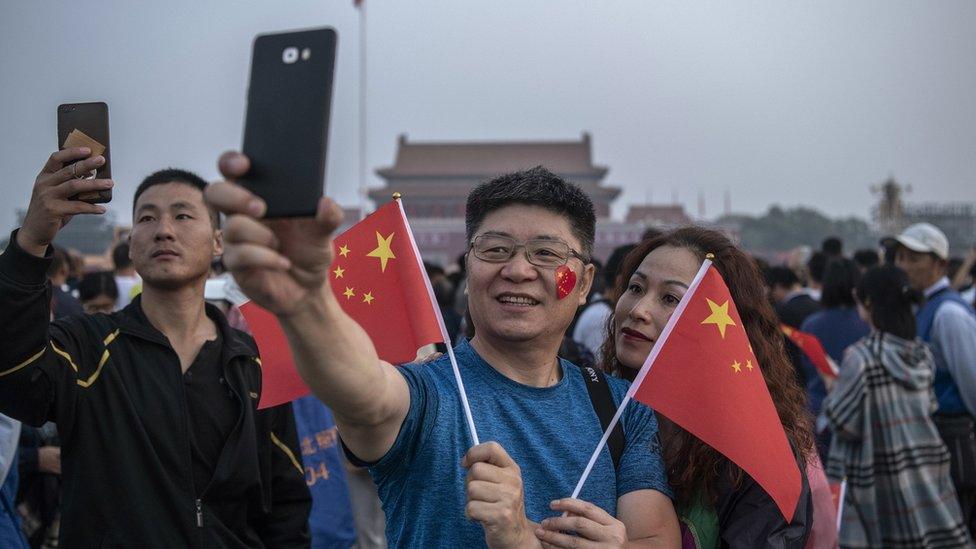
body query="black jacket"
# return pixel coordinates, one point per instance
(748, 517)
(113, 385)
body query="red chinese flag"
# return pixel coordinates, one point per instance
(280, 381)
(703, 375)
(813, 349)
(376, 276)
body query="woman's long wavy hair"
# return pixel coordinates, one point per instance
(693, 466)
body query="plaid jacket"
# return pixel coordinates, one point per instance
(899, 493)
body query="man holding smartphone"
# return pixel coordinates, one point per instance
(531, 234)
(156, 405)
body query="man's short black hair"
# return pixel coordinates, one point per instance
(616, 259)
(96, 284)
(781, 276)
(816, 266)
(59, 260)
(535, 187)
(176, 175)
(120, 256)
(832, 246)
(840, 278)
(866, 258)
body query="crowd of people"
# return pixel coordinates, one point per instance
(129, 397)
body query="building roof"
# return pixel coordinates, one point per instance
(664, 214)
(486, 159)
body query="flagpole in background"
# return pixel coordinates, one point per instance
(361, 6)
(842, 493)
(642, 374)
(440, 322)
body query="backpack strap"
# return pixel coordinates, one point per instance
(603, 405)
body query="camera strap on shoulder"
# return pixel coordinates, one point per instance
(603, 405)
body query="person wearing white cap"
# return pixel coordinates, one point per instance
(948, 324)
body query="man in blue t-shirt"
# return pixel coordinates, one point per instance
(530, 238)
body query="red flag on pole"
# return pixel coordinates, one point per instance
(376, 276)
(813, 349)
(703, 375)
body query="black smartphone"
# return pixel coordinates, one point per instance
(287, 122)
(86, 125)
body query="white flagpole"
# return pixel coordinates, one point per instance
(665, 334)
(440, 323)
(840, 502)
(362, 109)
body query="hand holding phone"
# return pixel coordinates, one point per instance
(287, 123)
(282, 264)
(86, 125)
(51, 205)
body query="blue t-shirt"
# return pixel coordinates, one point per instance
(550, 432)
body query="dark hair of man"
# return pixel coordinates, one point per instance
(694, 467)
(120, 256)
(886, 294)
(832, 247)
(433, 270)
(59, 260)
(866, 258)
(816, 265)
(599, 285)
(840, 279)
(612, 268)
(96, 284)
(952, 266)
(890, 247)
(535, 187)
(174, 175)
(781, 276)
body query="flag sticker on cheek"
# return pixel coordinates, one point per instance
(565, 281)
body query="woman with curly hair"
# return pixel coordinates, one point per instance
(719, 504)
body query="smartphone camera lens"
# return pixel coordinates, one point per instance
(289, 55)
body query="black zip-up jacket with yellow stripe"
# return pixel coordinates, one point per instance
(114, 387)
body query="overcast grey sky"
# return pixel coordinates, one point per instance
(781, 102)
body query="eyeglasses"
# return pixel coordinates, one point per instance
(541, 252)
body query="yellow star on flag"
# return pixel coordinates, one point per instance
(749, 365)
(720, 316)
(368, 298)
(339, 271)
(382, 251)
(344, 251)
(349, 293)
(737, 366)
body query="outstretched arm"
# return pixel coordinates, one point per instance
(282, 264)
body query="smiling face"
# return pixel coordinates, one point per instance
(652, 293)
(516, 301)
(173, 240)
